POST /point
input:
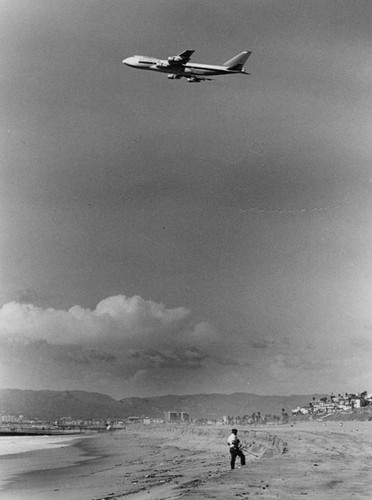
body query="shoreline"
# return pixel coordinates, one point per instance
(40, 433)
(48, 456)
(12, 446)
(169, 463)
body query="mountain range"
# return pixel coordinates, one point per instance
(47, 404)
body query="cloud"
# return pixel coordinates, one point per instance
(169, 358)
(94, 354)
(79, 355)
(116, 318)
(108, 346)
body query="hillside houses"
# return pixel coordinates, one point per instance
(332, 404)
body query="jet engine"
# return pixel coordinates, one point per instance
(161, 64)
(174, 77)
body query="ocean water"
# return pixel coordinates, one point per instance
(31, 454)
(10, 445)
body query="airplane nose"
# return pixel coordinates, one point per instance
(128, 61)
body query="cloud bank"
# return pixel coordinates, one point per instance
(115, 318)
(123, 340)
(129, 346)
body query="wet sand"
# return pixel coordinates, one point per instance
(309, 460)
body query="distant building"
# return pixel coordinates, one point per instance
(118, 424)
(346, 402)
(133, 420)
(323, 407)
(176, 416)
(300, 410)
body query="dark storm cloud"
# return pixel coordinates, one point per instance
(77, 354)
(95, 354)
(169, 358)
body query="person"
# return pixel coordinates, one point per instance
(235, 449)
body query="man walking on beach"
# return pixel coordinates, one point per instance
(235, 449)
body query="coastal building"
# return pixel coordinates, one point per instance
(323, 407)
(300, 410)
(176, 416)
(133, 420)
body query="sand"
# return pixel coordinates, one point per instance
(309, 460)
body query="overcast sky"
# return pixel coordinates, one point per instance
(162, 237)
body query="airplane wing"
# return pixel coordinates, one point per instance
(181, 59)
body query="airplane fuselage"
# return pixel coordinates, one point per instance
(189, 69)
(180, 66)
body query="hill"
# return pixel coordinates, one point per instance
(80, 404)
(53, 404)
(216, 405)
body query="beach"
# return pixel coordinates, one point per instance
(313, 459)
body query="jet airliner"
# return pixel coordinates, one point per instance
(180, 66)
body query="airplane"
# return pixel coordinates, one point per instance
(179, 66)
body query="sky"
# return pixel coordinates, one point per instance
(160, 237)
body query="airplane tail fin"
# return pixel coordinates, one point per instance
(237, 62)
